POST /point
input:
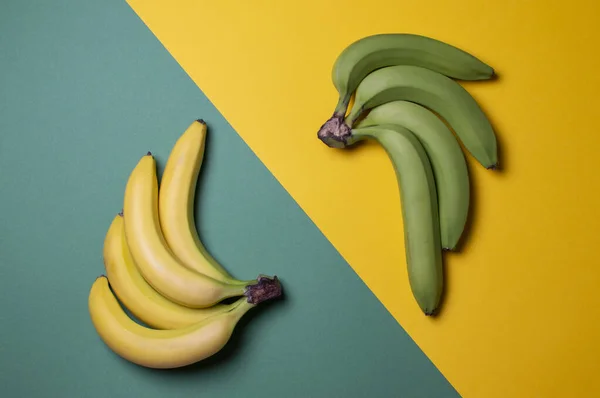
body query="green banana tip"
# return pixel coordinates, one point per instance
(429, 312)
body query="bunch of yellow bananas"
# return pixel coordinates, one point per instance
(160, 271)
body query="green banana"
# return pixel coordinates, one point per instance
(380, 50)
(419, 209)
(447, 161)
(435, 91)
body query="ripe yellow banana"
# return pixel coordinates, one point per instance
(176, 204)
(137, 295)
(153, 257)
(159, 349)
(418, 195)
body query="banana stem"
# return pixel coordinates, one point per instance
(266, 288)
(239, 310)
(342, 105)
(239, 282)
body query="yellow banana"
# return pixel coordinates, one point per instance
(137, 295)
(153, 348)
(176, 204)
(153, 257)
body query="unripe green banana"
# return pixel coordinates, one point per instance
(419, 209)
(447, 161)
(377, 51)
(437, 92)
(427, 88)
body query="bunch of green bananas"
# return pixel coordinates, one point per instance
(407, 99)
(160, 271)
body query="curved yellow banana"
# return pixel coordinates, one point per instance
(153, 348)
(176, 204)
(154, 259)
(137, 295)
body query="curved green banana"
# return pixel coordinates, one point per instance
(376, 51)
(435, 91)
(447, 161)
(419, 210)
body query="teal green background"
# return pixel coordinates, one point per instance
(86, 89)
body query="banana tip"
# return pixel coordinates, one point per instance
(430, 312)
(201, 121)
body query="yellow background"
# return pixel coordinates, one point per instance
(521, 316)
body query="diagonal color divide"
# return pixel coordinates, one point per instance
(521, 314)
